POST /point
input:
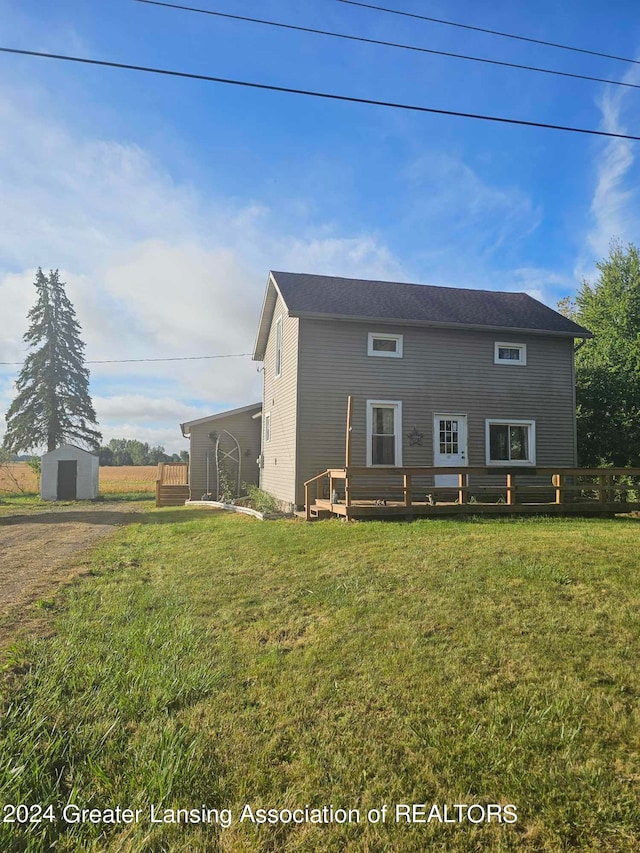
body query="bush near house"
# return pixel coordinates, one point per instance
(211, 658)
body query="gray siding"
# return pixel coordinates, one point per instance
(280, 401)
(442, 370)
(245, 428)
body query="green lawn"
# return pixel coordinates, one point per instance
(215, 659)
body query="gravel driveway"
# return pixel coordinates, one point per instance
(40, 548)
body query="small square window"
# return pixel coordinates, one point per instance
(384, 345)
(508, 353)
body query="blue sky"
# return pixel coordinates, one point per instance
(165, 202)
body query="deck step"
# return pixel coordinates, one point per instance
(317, 512)
(172, 495)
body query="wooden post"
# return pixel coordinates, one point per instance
(330, 489)
(347, 488)
(408, 491)
(605, 480)
(307, 502)
(462, 483)
(347, 453)
(511, 490)
(558, 482)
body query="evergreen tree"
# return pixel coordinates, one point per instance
(53, 405)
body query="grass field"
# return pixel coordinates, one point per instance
(113, 480)
(214, 659)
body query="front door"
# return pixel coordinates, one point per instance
(449, 446)
(67, 478)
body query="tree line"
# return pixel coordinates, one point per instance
(128, 451)
(608, 365)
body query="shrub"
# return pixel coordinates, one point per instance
(261, 500)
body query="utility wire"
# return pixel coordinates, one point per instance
(393, 44)
(491, 32)
(313, 94)
(131, 360)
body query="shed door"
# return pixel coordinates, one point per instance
(67, 479)
(449, 445)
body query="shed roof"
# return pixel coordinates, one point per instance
(67, 448)
(186, 427)
(326, 297)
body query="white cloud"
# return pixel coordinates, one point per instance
(144, 409)
(542, 284)
(615, 205)
(457, 207)
(357, 257)
(153, 268)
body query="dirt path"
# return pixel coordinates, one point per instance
(40, 549)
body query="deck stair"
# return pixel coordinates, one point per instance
(318, 512)
(172, 488)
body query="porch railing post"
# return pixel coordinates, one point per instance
(603, 478)
(558, 482)
(307, 502)
(407, 488)
(462, 484)
(511, 489)
(347, 487)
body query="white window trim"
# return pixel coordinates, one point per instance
(267, 427)
(397, 406)
(506, 463)
(522, 361)
(386, 337)
(278, 349)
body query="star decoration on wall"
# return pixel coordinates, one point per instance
(415, 437)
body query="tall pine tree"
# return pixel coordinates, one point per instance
(53, 405)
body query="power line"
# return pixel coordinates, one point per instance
(393, 44)
(132, 360)
(313, 94)
(491, 32)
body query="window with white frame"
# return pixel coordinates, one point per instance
(279, 346)
(267, 427)
(510, 442)
(384, 345)
(509, 353)
(384, 432)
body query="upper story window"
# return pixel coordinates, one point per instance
(384, 345)
(279, 346)
(510, 442)
(508, 353)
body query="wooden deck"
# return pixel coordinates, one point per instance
(400, 492)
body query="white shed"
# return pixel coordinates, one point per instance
(69, 473)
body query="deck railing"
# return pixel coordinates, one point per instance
(604, 488)
(170, 474)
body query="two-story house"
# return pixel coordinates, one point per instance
(437, 375)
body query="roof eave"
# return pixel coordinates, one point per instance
(579, 333)
(266, 315)
(186, 426)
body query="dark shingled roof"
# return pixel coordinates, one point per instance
(330, 296)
